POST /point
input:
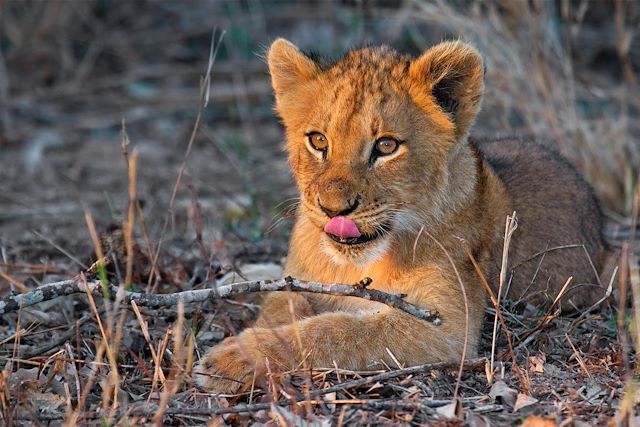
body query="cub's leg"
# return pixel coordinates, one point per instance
(281, 308)
(355, 341)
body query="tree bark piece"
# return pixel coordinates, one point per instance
(76, 286)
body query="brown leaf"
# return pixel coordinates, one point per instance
(449, 410)
(501, 390)
(536, 363)
(522, 401)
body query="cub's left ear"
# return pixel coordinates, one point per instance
(451, 74)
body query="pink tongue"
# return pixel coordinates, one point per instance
(342, 227)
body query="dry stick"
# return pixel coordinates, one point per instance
(510, 226)
(546, 251)
(595, 273)
(204, 99)
(129, 222)
(466, 312)
(390, 404)
(606, 295)
(375, 404)
(119, 333)
(495, 303)
(578, 357)
(622, 304)
(626, 406)
(72, 419)
(125, 142)
(173, 381)
(60, 249)
(145, 236)
(32, 268)
(158, 374)
(16, 283)
(623, 42)
(469, 364)
(632, 262)
(548, 315)
(75, 286)
(57, 342)
(72, 357)
(106, 330)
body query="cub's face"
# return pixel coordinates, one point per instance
(368, 139)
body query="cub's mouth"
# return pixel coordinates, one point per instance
(344, 230)
(364, 238)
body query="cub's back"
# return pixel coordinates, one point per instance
(555, 207)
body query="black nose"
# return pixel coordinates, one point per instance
(352, 205)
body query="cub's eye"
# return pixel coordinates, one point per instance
(318, 141)
(385, 146)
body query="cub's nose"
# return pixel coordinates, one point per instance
(332, 211)
(337, 195)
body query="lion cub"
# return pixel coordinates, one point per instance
(378, 145)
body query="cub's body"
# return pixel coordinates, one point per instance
(559, 231)
(392, 189)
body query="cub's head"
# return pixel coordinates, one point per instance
(370, 139)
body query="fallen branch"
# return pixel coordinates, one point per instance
(251, 408)
(76, 286)
(472, 364)
(425, 405)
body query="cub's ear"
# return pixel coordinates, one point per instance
(288, 66)
(452, 75)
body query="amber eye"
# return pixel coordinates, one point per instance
(385, 146)
(318, 141)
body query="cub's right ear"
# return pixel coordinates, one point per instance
(289, 67)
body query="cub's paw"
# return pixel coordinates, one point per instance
(228, 367)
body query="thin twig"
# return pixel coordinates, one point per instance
(463, 356)
(204, 99)
(424, 405)
(365, 404)
(60, 249)
(16, 283)
(469, 364)
(75, 286)
(510, 226)
(548, 315)
(498, 311)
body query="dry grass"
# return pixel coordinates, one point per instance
(71, 71)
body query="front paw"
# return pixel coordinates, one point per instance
(229, 366)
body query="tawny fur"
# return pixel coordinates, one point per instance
(437, 185)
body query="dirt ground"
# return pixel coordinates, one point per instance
(75, 73)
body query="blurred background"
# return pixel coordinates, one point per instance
(71, 71)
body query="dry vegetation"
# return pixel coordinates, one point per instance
(184, 196)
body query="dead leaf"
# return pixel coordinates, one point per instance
(330, 397)
(374, 387)
(506, 394)
(523, 401)
(536, 363)
(285, 417)
(449, 410)
(47, 402)
(476, 420)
